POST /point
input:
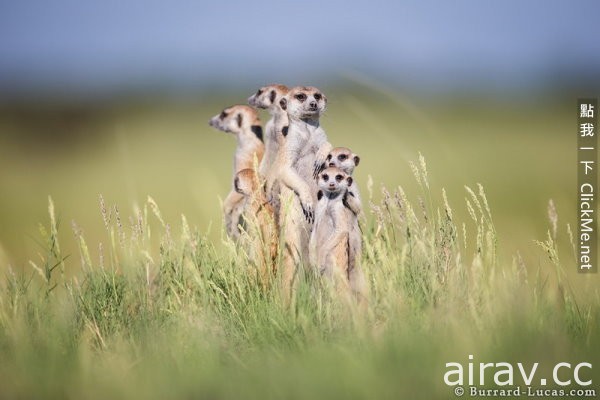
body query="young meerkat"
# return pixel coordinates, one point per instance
(243, 122)
(344, 159)
(302, 152)
(335, 242)
(260, 229)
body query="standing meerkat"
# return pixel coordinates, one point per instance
(243, 122)
(344, 159)
(260, 229)
(333, 245)
(303, 151)
(268, 98)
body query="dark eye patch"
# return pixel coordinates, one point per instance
(318, 96)
(339, 178)
(342, 157)
(300, 96)
(272, 96)
(223, 115)
(325, 177)
(329, 157)
(257, 130)
(259, 92)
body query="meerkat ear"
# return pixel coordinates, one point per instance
(319, 195)
(272, 96)
(283, 104)
(350, 181)
(236, 185)
(239, 120)
(356, 160)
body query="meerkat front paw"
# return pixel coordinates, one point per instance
(307, 208)
(317, 169)
(319, 164)
(308, 213)
(321, 159)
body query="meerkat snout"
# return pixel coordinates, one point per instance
(252, 99)
(214, 121)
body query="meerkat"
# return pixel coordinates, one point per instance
(344, 159)
(303, 150)
(333, 249)
(243, 122)
(260, 228)
(268, 98)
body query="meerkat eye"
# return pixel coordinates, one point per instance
(339, 178)
(325, 177)
(223, 115)
(318, 96)
(259, 92)
(342, 157)
(328, 157)
(300, 96)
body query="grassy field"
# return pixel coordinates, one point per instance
(151, 304)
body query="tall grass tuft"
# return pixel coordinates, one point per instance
(158, 312)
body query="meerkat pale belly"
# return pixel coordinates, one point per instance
(330, 238)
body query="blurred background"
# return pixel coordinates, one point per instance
(113, 98)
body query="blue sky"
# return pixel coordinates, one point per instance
(105, 45)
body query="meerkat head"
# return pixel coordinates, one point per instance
(268, 97)
(237, 119)
(342, 158)
(304, 102)
(333, 181)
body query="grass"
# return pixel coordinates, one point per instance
(159, 310)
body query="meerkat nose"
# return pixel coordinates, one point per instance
(331, 164)
(313, 104)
